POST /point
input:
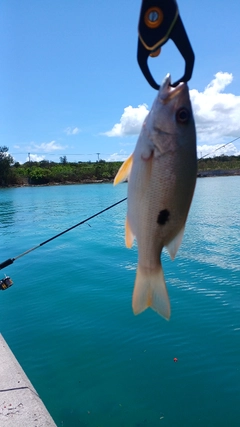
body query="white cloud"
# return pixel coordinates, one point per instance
(217, 114)
(118, 157)
(46, 147)
(217, 150)
(72, 131)
(130, 122)
(35, 158)
(217, 118)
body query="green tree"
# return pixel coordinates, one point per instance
(6, 160)
(63, 160)
(38, 175)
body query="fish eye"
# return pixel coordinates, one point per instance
(182, 115)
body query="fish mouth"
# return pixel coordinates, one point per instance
(167, 92)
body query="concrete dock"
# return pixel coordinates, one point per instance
(20, 405)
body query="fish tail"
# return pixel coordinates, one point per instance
(150, 291)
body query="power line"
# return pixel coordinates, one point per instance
(109, 154)
(64, 154)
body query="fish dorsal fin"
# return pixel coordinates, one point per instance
(124, 171)
(173, 246)
(129, 237)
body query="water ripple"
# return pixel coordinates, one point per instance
(69, 320)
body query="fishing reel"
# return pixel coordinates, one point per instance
(5, 283)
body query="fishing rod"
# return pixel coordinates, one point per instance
(6, 282)
(219, 148)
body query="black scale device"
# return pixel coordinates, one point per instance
(160, 21)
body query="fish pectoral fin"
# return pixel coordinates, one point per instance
(124, 171)
(129, 236)
(174, 245)
(150, 291)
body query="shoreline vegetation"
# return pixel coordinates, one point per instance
(65, 173)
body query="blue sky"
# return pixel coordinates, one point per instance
(70, 83)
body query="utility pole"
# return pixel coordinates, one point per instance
(98, 156)
(29, 157)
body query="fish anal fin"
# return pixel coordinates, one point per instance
(129, 237)
(124, 171)
(150, 291)
(174, 245)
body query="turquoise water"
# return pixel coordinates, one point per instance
(68, 316)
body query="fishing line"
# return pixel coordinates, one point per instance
(11, 260)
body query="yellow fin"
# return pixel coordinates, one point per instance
(129, 237)
(150, 291)
(124, 171)
(174, 245)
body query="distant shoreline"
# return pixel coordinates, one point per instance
(56, 184)
(218, 172)
(46, 173)
(200, 174)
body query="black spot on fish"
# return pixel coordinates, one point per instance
(163, 217)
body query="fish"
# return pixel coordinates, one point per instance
(161, 175)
